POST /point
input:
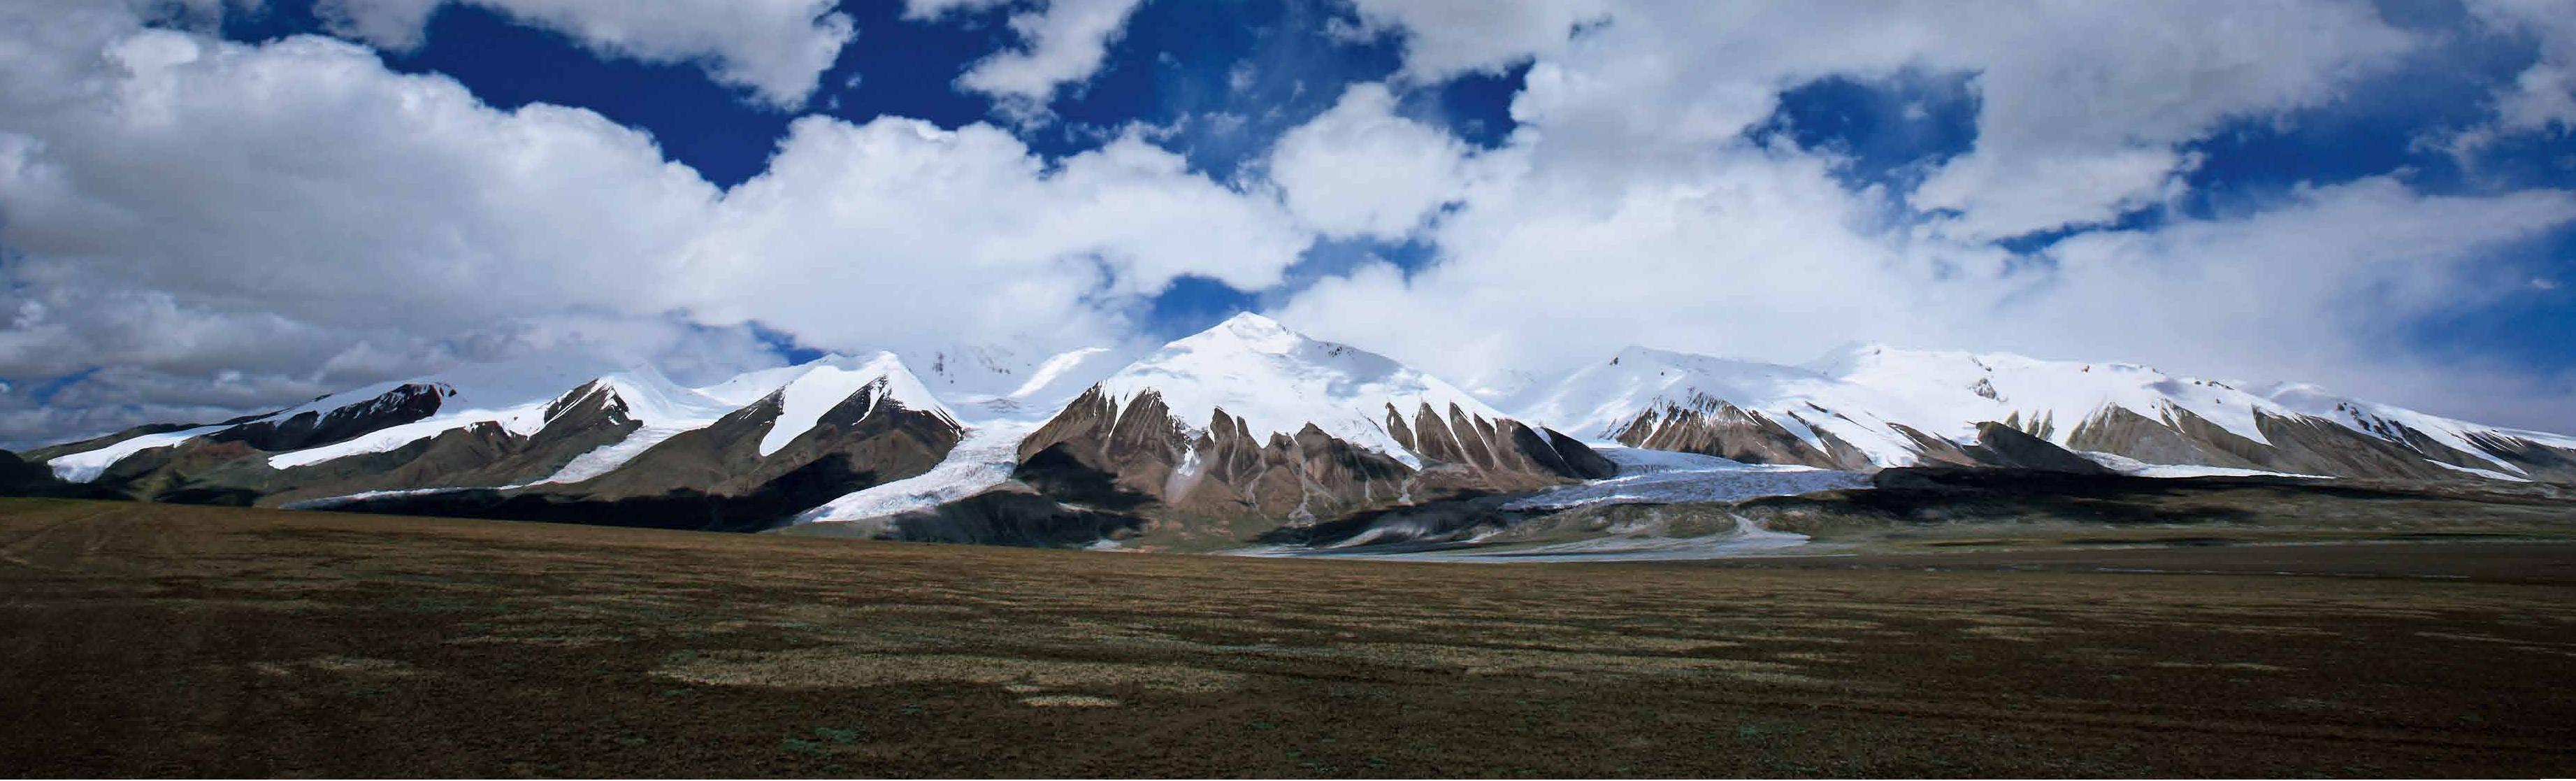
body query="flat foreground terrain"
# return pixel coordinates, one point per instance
(164, 640)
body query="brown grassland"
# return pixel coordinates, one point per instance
(147, 639)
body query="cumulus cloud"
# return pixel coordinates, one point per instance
(899, 231)
(1443, 38)
(1062, 42)
(298, 173)
(191, 229)
(2081, 106)
(2312, 288)
(1765, 256)
(278, 220)
(2543, 96)
(1632, 206)
(1749, 253)
(225, 367)
(778, 49)
(1360, 170)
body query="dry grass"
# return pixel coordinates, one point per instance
(158, 640)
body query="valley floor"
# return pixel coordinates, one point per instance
(141, 639)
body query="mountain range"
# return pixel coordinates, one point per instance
(1246, 434)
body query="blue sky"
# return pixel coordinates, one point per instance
(1179, 65)
(1175, 63)
(2372, 196)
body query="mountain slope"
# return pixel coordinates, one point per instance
(1234, 431)
(489, 439)
(1245, 432)
(476, 425)
(1871, 406)
(994, 423)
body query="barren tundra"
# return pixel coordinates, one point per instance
(145, 639)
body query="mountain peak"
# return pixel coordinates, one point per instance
(827, 382)
(1251, 320)
(1250, 326)
(1637, 353)
(1278, 381)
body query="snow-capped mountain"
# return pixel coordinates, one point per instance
(1249, 420)
(831, 381)
(989, 451)
(1277, 381)
(516, 398)
(1873, 406)
(1755, 412)
(1246, 431)
(544, 432)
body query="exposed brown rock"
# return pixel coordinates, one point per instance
(879, 440)
(2298, 444)
(2541, 462)
(2117, 430)
(1711, 426)
(1215, 485)
(483, 469)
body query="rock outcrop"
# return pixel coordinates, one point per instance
(1219, 484)
(1711, 426)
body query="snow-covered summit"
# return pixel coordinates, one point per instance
(2393, 422)
(518, 395)
(1598, 400)
(1278, 380)
(2052, 397)
(513, 393)
(818, 386)
(1860, 395)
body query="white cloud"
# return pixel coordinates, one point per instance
(778, 49)
(1630, 208)
(2312, 288)
(301, 174)
(1444, 38)
(1063, 42)
(924, 10)
(267, 222)
(218, 228)
(225, 226)
(1764, 256)
(1743, 253)
(897, 232)
(2082, 105)
(1360, 170)
(2543, 97)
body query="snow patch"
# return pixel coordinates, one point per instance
(1747, 539)
(2136, 468)
(662, 410)
(985, 456)
(87, 465)
(2485, 473)
(981, 460)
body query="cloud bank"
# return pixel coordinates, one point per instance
(192, 228)
(777, 49)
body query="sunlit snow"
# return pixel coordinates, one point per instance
(1278, 381)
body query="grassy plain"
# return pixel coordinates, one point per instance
(140, 639)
